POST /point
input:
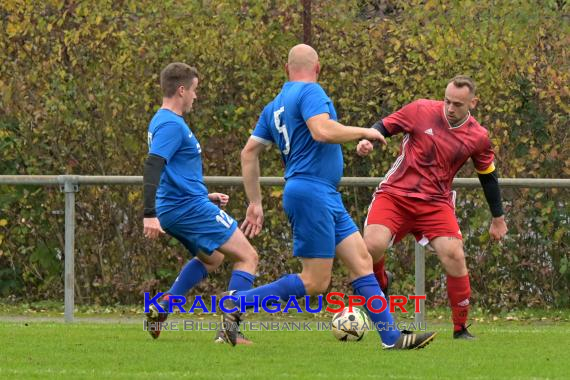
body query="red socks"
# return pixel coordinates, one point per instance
(380, 273)
(458, 291)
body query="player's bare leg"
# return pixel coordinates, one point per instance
(316, 275)
(377, 238)
(314, 279)
(155, 318)
(241, 252)
(245, 258)
(211, 262)
(353, 253)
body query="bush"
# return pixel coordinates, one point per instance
(79, 83)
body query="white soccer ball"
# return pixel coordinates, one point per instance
(350, 326)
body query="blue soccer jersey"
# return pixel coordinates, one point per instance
(312, 169)
(283, 121)
(182, 180)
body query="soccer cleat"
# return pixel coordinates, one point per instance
(154, 319)
(241, 339)
(231, 321)
(463, 334)
(411, 341)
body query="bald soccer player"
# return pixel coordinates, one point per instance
(301, 121)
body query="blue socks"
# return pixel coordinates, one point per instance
(367, 286)
(286, 286)
(291, 285)
(241, 280)
(192, 273)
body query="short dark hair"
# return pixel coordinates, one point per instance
(174, 75)
(464, 81)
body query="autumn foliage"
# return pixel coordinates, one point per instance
(79, 83)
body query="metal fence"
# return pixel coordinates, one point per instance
(69, 184)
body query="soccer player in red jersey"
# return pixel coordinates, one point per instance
(415, 195)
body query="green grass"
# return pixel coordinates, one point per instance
(54, 309)
(107, 349)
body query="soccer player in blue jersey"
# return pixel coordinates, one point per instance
(301, 121)
(176, 200)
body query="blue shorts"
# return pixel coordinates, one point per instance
(317, 216)
(200, 227)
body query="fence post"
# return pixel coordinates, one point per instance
(68, 184)
(420, 281)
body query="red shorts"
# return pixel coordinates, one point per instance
(403, 215)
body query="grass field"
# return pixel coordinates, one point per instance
(107, 349)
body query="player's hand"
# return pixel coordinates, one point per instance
(219, 199)
(364, 148)
(253, 222)
(152, 228)
(374, 135)
(498, 228)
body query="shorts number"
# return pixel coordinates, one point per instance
(282, 129)
(224, 219)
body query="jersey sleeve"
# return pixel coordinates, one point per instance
(313, 101)
(262, 130)
(485, 157)
(166, 140)
(402, 120)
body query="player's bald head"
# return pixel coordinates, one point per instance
(302, 58)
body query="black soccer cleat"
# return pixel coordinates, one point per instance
(411, 341)
(463, 334)
(241, 339)
(154, 319)
(231, 321)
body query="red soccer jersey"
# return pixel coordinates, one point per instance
(433, 151)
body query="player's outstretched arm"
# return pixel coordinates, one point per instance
(253, 222)
(365, 147)
(324, 129)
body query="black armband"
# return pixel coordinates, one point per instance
(490, 184)
(379, 126)
(153, 166)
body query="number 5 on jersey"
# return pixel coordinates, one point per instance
(282, 129)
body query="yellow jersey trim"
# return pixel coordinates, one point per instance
(490, 169)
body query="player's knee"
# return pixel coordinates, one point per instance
(454, 263)
(455, 256)
(458, 254)
(375, 246)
